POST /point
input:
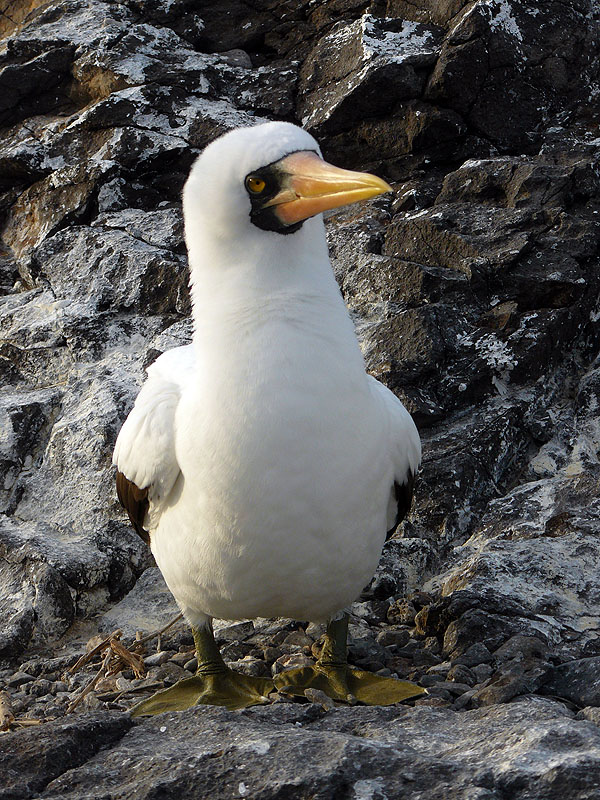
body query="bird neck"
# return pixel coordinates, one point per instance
(261, 272)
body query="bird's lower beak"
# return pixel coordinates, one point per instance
(311, 185)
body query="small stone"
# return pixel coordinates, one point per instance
(181, 659)
(436, 702)
(462, 674)
(591, 713)
(431, 680)
(291, 662)
(19, 678)
(191, 665)
(401, 612)
(432, 644)
(168, 673)
(123, 684)
(578, 681)
(385, 672)
(39, 687)
(477, 653)
(237, 58)
(420, 600)
(520, 646)
(315, 630)
(271, 654)
(298, 639)
(234, 633)
(465, 700)
(91, 702)
(424, 658)
(320, 698)
(156, 659)
(482, 672)
(236, 650)
(371, 611)
(59, 686)
(440, 692)
(250, 666)
(440, 669)
(393, 637)
(108, 684)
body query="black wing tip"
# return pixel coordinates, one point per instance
(135, 501)
(404, 496)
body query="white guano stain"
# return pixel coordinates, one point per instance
(369, 789)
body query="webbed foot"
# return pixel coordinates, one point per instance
(214, 684)
(333, 676)
(347, 685)
(228, 688)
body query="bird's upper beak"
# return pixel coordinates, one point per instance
(311, 185)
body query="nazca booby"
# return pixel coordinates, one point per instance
(262, 462)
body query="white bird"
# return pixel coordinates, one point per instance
(262, 461)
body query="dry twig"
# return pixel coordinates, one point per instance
(87, 657)
(132, 660)
(90, 685)
(117, 657)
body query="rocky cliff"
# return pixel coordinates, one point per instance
(474, 288)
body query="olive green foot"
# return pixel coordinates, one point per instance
(332, 675)
(229, 689)
(347, 685)
(214, 684)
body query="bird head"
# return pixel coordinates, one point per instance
(270, 177)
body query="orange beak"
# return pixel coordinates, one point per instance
(312, 185)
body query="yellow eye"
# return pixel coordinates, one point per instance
(255, 185)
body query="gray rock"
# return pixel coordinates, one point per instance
(155, 659)
(578, 681)
(147, 607)
(30, 759)
(364, 68)
(531, 748)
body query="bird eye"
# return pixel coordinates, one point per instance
(255, 185)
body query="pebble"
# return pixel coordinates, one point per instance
(591, 713)
(393, 637)
(402, 611)
(39, 687)
(477, 653)
(440, 669)
(482, 672)
(250, 666)
(298, 639)
(291, 662)
(181, 659)
(431, 679)
(234, 633)
(19, 678)
(462, 674)
(156, 659)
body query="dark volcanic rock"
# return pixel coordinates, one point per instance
(578, 681)
(528, 749)
(30, 759)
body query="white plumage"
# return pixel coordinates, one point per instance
(269, 454)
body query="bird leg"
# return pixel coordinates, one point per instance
(332, 675)
(214, 684)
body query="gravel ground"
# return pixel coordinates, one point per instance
(386, 637)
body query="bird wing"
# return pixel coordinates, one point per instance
(144, 454)
(405, 450)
